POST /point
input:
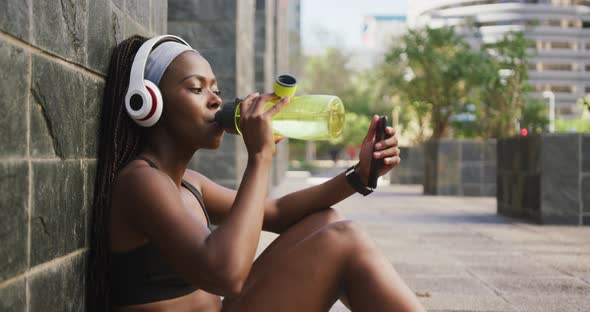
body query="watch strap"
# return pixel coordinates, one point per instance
(354, 180)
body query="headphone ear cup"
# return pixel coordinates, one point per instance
(154, 103)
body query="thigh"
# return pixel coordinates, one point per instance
(291, 236)
(308, 277)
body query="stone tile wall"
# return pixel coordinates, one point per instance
(53, 60)
(545, 178)
(460, 167)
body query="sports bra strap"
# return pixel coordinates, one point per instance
(151, 163)
(187, 185)
(199, 197)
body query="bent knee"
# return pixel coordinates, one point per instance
(348, 233)
(330, 215)
(321, 218)
(345, 228)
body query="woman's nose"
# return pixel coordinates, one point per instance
(214, 101)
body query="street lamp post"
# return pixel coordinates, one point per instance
(551, 96)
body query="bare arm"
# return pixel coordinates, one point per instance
(280, 213)
(292, 207)
(236, 239)
(213, 261)
(217, 262)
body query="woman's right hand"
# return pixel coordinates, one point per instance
(256, 124)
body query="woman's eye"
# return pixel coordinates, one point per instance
(199, 90)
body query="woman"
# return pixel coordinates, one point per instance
(151, 248)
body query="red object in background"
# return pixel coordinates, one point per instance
(524, 132)
(351, 152)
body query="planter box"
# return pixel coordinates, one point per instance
(460, 167)
(545, 179)
(411, 169)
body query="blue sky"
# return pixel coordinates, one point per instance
(339, 22)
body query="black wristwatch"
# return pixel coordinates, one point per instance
(354, 179)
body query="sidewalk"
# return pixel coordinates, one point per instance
(458, 255)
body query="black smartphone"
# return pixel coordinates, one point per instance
(376, 163)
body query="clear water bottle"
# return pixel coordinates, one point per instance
(306, 117)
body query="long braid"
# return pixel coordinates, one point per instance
(119, 139)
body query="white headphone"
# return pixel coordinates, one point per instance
(143, 101)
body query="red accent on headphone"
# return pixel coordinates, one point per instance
(154, 104)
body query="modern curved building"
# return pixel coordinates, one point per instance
(559, 29)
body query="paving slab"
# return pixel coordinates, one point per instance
(457, 254)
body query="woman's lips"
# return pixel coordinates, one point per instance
(215, 124)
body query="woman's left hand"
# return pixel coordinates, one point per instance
(385, 149)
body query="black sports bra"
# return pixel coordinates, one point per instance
(142, 275)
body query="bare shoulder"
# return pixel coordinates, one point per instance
(141, 193)
(137, 177)
(218, 199)
(195, 178)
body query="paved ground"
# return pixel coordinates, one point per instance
(458, 255)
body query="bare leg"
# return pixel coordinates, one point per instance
(299, 231)
(293, 235)
(312, 274)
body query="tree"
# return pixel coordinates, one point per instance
(585, 102)
(449, 85)
(534, 116)
(363, 97)
(414, 119)
(355, 129)
(502, 80)
(327, 73)
(429, 68)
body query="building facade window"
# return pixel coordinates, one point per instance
(565, 23)
(565, 111)
(560, 40)
(581, 2)
(558, 67)
(555, 88)
(562, 89)
(561, 45)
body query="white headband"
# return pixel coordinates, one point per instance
(161, 57)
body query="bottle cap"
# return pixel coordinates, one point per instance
(285, 85)
(226, 117)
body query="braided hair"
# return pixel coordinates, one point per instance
(118, 142)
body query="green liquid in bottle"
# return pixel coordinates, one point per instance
(308, 117)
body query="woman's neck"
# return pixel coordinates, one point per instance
(171, 156)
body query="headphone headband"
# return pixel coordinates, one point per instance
(140, 60)
(143, 100)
